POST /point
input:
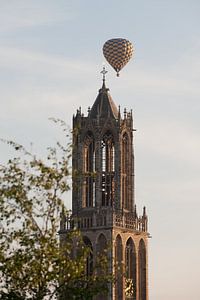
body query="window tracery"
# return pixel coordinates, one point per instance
(125, 171)
(108, 168)
(89, 171)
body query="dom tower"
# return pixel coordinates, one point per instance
(103, 200)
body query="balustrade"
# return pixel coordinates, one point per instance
(106, 219)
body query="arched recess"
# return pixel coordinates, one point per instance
(108, 168)
(131, 275)
(118, 268)
(88, 170)
(101, 244)
(126, 163)
(142, 270)
(100, 257)
(89, 261)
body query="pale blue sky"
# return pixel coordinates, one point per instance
(50, 59)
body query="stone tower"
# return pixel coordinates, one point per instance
(103, 201)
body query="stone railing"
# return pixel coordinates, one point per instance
(105, 218)
(131, 222)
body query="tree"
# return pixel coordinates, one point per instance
(33, 265)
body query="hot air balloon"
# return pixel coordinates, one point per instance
(117, 52)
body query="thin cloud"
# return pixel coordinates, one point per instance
(180, 78)
(173, 139)
(15, 15)
(11, 58)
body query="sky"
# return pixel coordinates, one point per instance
(50, 63)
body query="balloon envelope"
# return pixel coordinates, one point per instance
(118, 52)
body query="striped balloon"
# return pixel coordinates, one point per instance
(117, 52)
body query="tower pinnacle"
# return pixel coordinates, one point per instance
(104, 72)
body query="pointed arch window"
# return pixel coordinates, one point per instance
(125, 171)
(118, 268)
(88, 171)
(130, 255)
(108, 168)
(101, 244)
(142, 271)
(101, 256)
(101, 253)
(89, 261)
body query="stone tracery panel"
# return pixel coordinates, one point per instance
(89, 170)
(108, 168)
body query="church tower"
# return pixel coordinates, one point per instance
(103, 200)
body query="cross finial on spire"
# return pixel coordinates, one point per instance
(104, 73)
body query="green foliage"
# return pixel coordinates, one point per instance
(33, 265)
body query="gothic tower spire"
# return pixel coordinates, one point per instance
(103, 202)
(104, 106)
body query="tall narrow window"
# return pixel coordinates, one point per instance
(130, 288)
(89, 169)
(108, 168)
(101, 256)
(89, 261)
(101, 244)
(125, 171)
(142, 271)
(118, 268)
